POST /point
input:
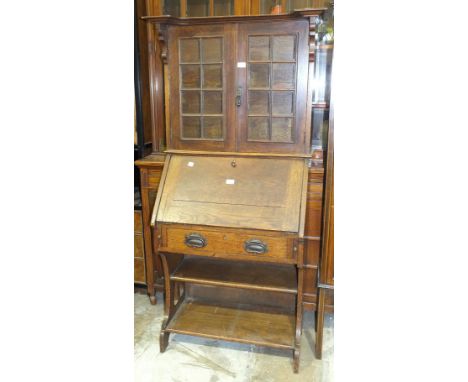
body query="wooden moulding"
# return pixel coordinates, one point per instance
(160, 189)
(171, 20)
(153, 160)
(235, 153)
(237, 274)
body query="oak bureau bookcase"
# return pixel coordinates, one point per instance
(229, 218)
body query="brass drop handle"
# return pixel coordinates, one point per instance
(239, 96)
(255, 246)
(195, 240)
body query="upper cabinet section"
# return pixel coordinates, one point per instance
(201, 80)
(273, 86)
(238, 84)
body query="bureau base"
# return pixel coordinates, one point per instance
(246, 309)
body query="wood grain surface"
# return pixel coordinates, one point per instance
(264, 193)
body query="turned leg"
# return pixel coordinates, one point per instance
(152, 297)
(150, 287)
(163, 340)
(150, 281)
(168, 288)
(168, 304)
(147, 237)
(296, 354)
(319, 323)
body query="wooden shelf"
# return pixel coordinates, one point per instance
(247, 275)
(243, 323)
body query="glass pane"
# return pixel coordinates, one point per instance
(197, 8)
(223, 7)
(323, 63)
(281, 129)
(191, 127)
(213, 127)
(259, 102)
(284, 48)
(283, 76)
(259, 75)
(259, 48)
(258, 128)
(212, 76)
(212, 49)
(319, 128)
(172, 7)
(189, 50)
(190, 76)
(190, 102)
(300, 4)
(212, 102)
(282, 103)
(268, 6)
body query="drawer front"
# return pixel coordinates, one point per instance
(138, 246)
(137, 222)
(227, 243)
(139, 270)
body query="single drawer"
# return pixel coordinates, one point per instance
(204, 241)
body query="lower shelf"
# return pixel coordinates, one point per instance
(245, 324)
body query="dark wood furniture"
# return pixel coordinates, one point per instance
(142, 134)
(159, 112)
(232, 221)
(205, 8)
(151, 168)
(326, 281)
(239, 223)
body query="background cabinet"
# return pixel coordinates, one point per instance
(326, 282)
(139, 250)
(151, 168)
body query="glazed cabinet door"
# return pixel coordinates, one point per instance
(272, 68)
(201, 82)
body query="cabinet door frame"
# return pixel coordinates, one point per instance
(300, 29)
(175, 139)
